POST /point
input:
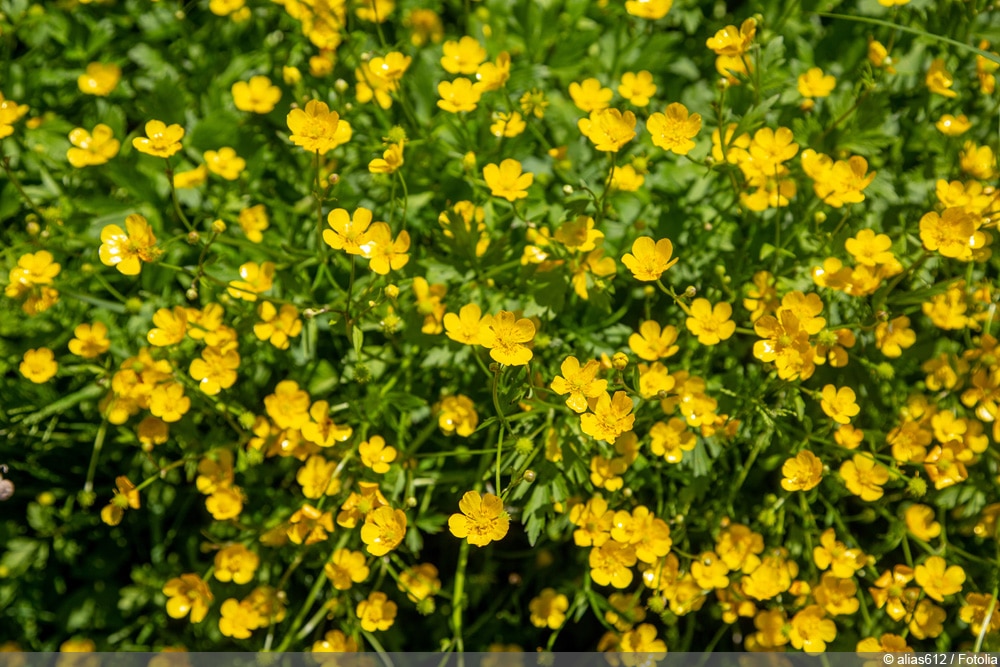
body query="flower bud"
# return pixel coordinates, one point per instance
(916, 486)
(392, 292)
(690, 292)
(133, 305)
(819, 217)
(86, 498)
(524, 446)
(218, 226)
(193, 237)
(529, 476)
(191, 293)
(341, 86)
(333, 179)
(619, 361)
(656, 605)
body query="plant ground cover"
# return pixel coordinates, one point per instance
(562, 325)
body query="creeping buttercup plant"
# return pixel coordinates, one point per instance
(565, 325)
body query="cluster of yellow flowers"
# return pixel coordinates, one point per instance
(855, 367)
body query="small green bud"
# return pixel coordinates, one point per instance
(916, 486)
(133, 305)
(524, 446)
(426, 606)
(86, 498)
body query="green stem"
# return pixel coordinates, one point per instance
(458, 596)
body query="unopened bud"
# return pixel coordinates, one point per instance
(191, 293)
(524, 446)
(690, 292)
(885, 370)
(411, 502)
(333, 179)
(819, 217)
(33, 228)
(656, 605)
(218, 226)
(529, 476)
(193, 237)
(247, 419)
(340, 86)
(567, 189)
(392, 292)
(133, 305)
(619, 361)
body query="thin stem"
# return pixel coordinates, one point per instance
(5, 164)
(458, 596)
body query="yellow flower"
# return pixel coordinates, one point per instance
(590, 96)
(384, 254)
(816, 84)
(610, 417)
(126, 251)
(802, 472)
(10, 113)
(377, 612)
(507, 181)
(483, 519)
(161, 140)
(939, 80)
(953, 126)
(258, 95)
(978, 161)
(347, 231)
(637, 87)
(224, 503)
(99, 79)
(91, 149)
(376, 11)
(316, 478)
(469, 326)
(810, 631)
(534, 102)
(609, 129)
(346, 568)
(90, 340)
(505, 337)
(391, 160)
(309, 525)
(463, 56)
(226, 8)
(648, 9)
(238, 619)
(191, 178)
(419, 582)
(674, 129)
(316, 129)
(955, 233)
(920, 521)
(125, 496)
(643, 638)
(188, 594)
(384, 529)
(894, 336)
(626, 179)
(277, 326)
(376, 455)
(236, 563)
(253, 221)
(671, 439)
(334, 641)
(548, 609)
(425, 26)
(225, 163)
(39, 365)
(458, 95)
(457, 414)
(494, 75)
(256, 278)
(864, 477)
(216, 369)
(610, 563)
(649, 259)
(579, 383)
(976, 611)
(653, 343)
(288, 406)
(710, 324)
(507, 124)
(937, 579)
(839, 404)
(733, 41)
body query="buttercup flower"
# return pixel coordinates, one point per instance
(161, 140)
(674, 129)
(99, 79)
(648, 9)
(711, 324)
(383, 530)
(187, 594)
(236, 563)
(483, 519)
(649, 259)
(91, 149)
(39, 365)
(225, 163)
(458, 95)
(258, 95)
(938, 579)
(507, 180)
(579, 383)
(346, 568)
(609, 129)
(637, 87)
(839, 404)
(864, 477)
(125, 496)
(316, 129)
(590, 96)
(548, 609)
(505, 337)
(802, 472)
(939, 80)
(377, 612)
